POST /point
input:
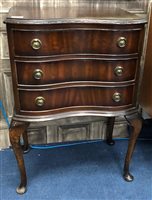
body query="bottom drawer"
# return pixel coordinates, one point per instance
(83, 97)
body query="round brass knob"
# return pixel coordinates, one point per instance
(39, 101)
(38, 74)
(121, 42)
(118, 71)
(116, 97)
(36, 44)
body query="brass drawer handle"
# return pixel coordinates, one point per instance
(116, 97)
(38, 74)
(118, 71)
(39, 101)
(121, 42)
(36, 44)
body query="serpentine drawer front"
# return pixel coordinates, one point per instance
(60, 59)
(66, 62)
(97, 40)
(60, 71)
(76, 96)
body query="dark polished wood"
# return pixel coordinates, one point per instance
(110, 126)
(135, 125)
(75, 41)
(18, 129)
(146, 86)
(74, 96)
(90, 12)
(25, 146)
(69, 61)
(85, 69)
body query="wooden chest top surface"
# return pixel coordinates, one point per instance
(89, 13)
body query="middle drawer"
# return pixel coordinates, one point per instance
(41, 73)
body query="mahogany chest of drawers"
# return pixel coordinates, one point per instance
(68, 62)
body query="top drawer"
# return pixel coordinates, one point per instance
(75, 41)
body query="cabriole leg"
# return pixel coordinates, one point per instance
(15, 132)
(25, 146)
(109, 131)
(136, 126)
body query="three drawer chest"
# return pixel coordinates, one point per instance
(73, 61)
